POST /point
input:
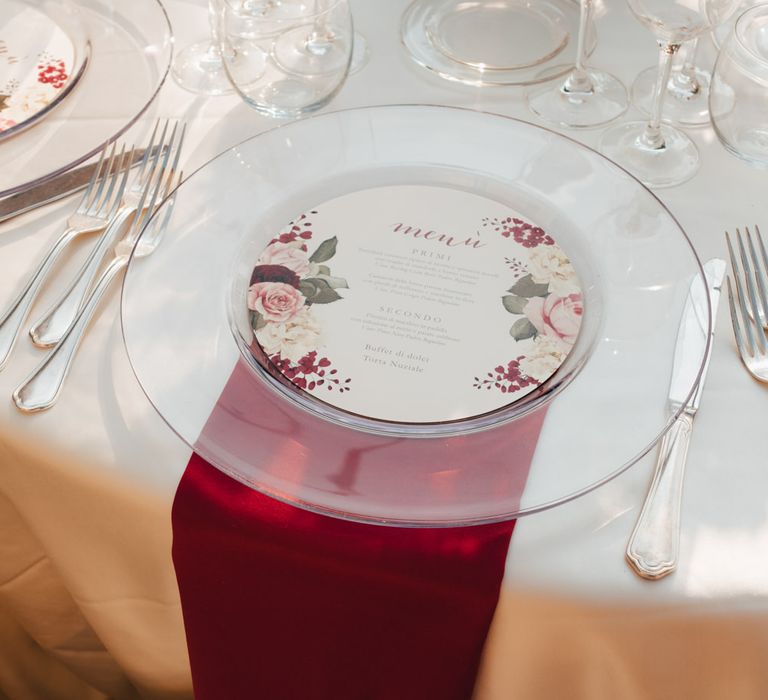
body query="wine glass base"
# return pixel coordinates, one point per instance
(681, 107)
(199, 69)
(295, 52)
(675, 162)
(607, 100)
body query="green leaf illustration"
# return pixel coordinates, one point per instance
(318, 291)
(522, 329)
(333, 282)
(526, 287)
(257, 321)
(325, 251)
(514, 304)
(323, 270)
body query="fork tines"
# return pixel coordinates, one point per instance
(749, 303)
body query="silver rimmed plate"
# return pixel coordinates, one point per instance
(190, 339)
(130, 55)
(44, 51)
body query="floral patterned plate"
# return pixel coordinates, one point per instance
(130, 46)
(342, 293)
(428, 286)
(43, 53)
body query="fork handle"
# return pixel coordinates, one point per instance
(50, 329)
(13, 318)
(653, 546)
(42, 387)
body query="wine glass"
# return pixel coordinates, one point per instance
(587, 97)
(659, 154)
(259, 9)
(317, 47)
(738, 98)
(687, 89)
(305, 49)
(199, 68)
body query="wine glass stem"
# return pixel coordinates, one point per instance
(213, 23)
(685, 78)
(321, 34)
(578, 80)
(652, 137)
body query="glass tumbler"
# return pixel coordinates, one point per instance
(738, 95)
(287, 58)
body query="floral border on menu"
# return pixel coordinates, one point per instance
(32, 81)
(286, 283)
(547, 298)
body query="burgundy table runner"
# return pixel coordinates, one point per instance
(280, 602)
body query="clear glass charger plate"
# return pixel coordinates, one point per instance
(188, 336)
(131, 47)
(45, 51)
(494, 42)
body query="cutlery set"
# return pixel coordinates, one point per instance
(117, 207)
(653, 545)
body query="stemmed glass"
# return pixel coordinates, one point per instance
(587, 97)
(659, 154)
(687, 89)
(199, 68)
(290, 57)
(314, 48)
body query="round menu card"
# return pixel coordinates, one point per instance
(415, 303)
(36, 62)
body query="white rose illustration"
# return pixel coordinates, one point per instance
(32, 99)
(548, 265)
(543, 360)
(288, 255)
(292, 339)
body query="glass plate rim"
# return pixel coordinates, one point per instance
(673, 413)
(73, 82)
(16, 189)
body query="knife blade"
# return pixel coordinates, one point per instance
(652, 550)
(54, 189)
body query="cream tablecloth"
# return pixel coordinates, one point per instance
(89, 606)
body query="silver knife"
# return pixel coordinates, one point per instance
(52, 190)
(653, 546)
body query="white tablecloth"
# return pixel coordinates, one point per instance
(89, 606)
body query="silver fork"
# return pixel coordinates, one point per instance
(749, 308)
(99, 203)
(42, 388)
(50, 328)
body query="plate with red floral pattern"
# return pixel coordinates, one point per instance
(401, 285)
(414, 315)
(44, 51)
(74, 77)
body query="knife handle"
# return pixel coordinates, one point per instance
(13, 317)
(653, 545)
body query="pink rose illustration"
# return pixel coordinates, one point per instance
(275, 301)
(288, 255)
(556, 317)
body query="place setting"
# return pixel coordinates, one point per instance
(408, 360)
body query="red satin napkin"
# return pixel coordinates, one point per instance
(280, 602)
